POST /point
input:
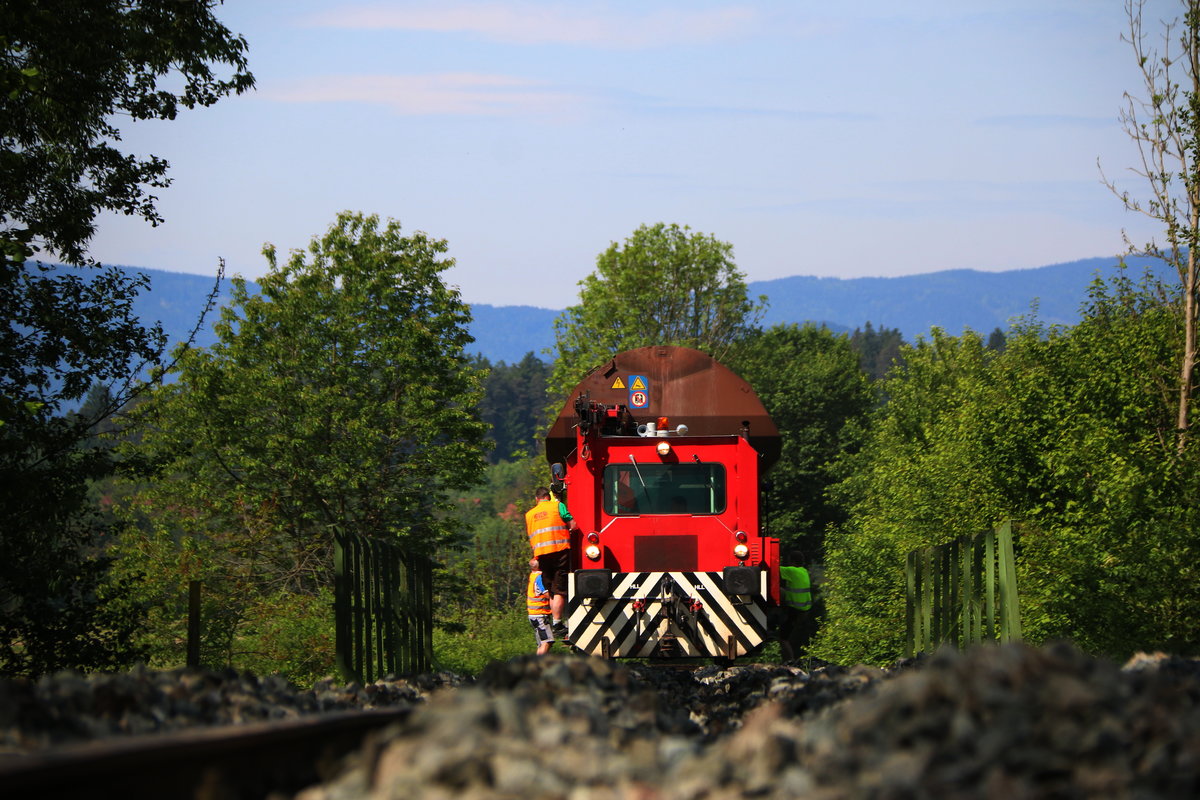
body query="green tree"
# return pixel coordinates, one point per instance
(69, 71)
(1064, 431)
(665, 285)
(480, 589)
(1108, 502)
(996, 340)
(514, 395)
(810, 383)
(338, 398)
(878, 350)
(902, 490)
(1165, 126)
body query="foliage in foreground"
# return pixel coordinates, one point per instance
(72, 74)
(71, 71)
(1068, 431)
(289, 634)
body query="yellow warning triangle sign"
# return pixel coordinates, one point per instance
(619, 384)
(637, 383)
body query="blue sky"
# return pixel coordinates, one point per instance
(859, 139)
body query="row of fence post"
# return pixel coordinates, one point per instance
(383, 609)
(963, 592)
(960, 593)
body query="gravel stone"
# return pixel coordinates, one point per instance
(1008, 721)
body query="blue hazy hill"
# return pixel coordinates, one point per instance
(952, 300)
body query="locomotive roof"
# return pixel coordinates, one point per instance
(680, 383)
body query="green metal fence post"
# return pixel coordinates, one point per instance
(342, 643)
(977, 545)
(965, 625)
(193, 627)
(1010, 615)
(962, 592)
(927, 597)
(945, 595)
(911, 645)
(989, 578)
(383, 609)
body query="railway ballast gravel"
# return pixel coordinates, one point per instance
(1009, 721)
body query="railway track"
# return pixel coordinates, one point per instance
(225, 763)
(1006, 721)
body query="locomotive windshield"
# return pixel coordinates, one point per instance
(664, 489)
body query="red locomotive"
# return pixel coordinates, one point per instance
(659, 453)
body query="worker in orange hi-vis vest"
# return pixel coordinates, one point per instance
(549, 525)
(537, 605)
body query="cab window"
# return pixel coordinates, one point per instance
(631, 489)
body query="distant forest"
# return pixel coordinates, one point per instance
(515, 394)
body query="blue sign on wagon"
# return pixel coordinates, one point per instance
(639, 391)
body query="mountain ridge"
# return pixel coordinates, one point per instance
(953, 300)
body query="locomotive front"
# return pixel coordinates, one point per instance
(658, 454)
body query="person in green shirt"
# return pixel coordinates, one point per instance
(796, 588)
(797, 620)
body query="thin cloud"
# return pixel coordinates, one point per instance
(1045, 121)
(463, 94)
(786, 114)
(540, 23)
(641, 102)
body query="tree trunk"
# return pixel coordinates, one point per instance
(1188, 361)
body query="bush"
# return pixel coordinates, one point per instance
(497, 636)
(289, 634)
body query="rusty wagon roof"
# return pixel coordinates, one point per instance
(683, 384)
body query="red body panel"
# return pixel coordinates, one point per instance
(690, 542)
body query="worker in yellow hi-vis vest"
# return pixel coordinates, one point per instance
(549, 526)
(537, 605)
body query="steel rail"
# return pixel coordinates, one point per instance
(230, 762)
